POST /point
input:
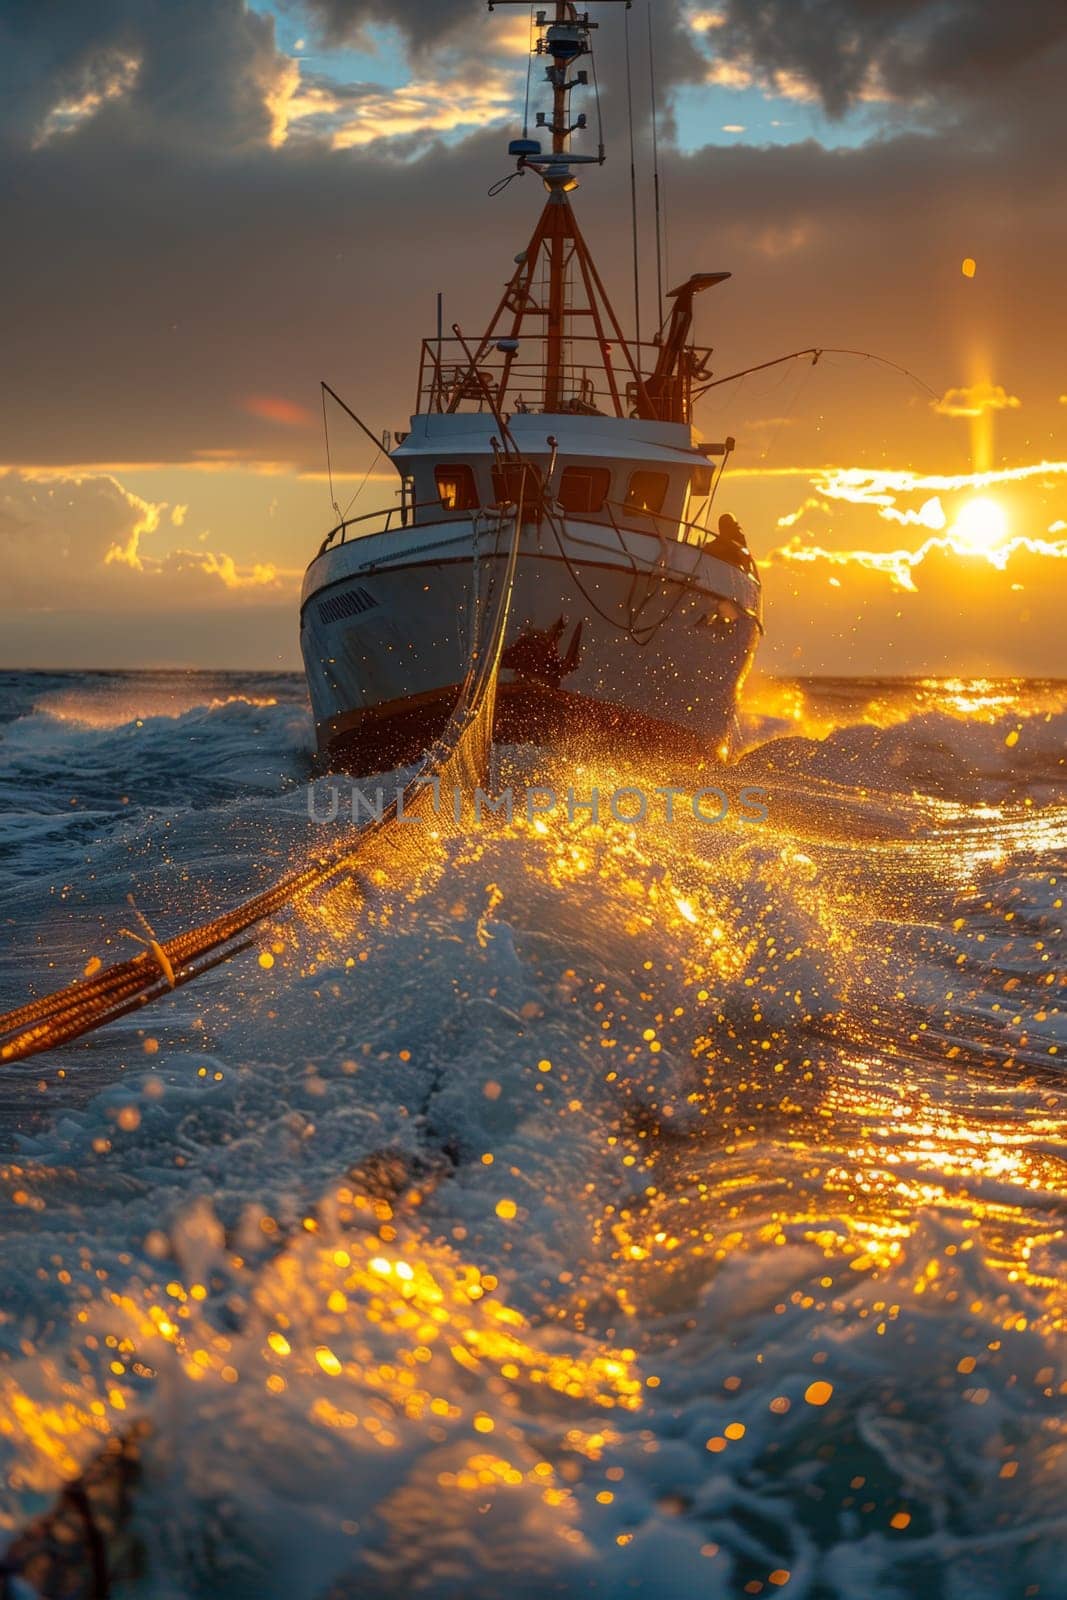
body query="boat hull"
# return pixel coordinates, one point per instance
(611, 638)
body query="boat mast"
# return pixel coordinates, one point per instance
(557, 241)
(558, 247)
(557, 271)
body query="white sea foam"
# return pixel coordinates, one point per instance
(764, 1274)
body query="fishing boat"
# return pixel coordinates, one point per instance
(634, 613)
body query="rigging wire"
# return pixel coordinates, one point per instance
(655, 170)
(329, 464)
(362, 485)
(633, 183)
(529, 65)
(789, 410)
(599, 109)
(713, 491)
(379, 449)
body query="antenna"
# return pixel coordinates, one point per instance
(563, 37)
(633, 188)
(655, 169)
(529, 67)
(556, 284)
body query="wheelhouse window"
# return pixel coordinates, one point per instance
(647, 491)
(456, 488)
(516, 480)
(583, 489)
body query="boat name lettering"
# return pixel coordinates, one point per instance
(350, 604)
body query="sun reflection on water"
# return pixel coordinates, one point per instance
(738, 1192)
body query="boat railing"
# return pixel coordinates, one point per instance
(593, 380)
(622, 518)
(403, 515)
(663, 526)
(667, 529)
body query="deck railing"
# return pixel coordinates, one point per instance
(404, 514)
(619, 516)
(594, 378)
(665, 528)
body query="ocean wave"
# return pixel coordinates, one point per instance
(595, 1210)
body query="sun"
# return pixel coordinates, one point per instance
(980, 527)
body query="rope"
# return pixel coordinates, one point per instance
(501, 184)
(641, 636)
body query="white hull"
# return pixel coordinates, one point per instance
(627, 633)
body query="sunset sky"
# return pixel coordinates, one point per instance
(208, 206)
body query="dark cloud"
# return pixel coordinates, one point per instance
(912, 49)
(423, 22)
(467, 25)
(200, 72)
(162, 262)
(464, 30)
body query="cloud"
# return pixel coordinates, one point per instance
(146, 520)
(881, 487)
(464, 29)
(80, 542)
(353, 115)
(902, 566)
(943, 51)
(106, 76)
(232, 224)
(812, 503)
(143, 71)
(424, 23)
(276, 408)
(211, 564)
(703, 21)
(978, 529)
(285, 101)
(219, 221)
(975, 401)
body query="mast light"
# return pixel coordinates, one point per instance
(559, 178)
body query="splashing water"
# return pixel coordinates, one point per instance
(605, 1210)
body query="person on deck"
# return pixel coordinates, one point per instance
(729, 544)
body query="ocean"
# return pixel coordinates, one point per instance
(660, 1208)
